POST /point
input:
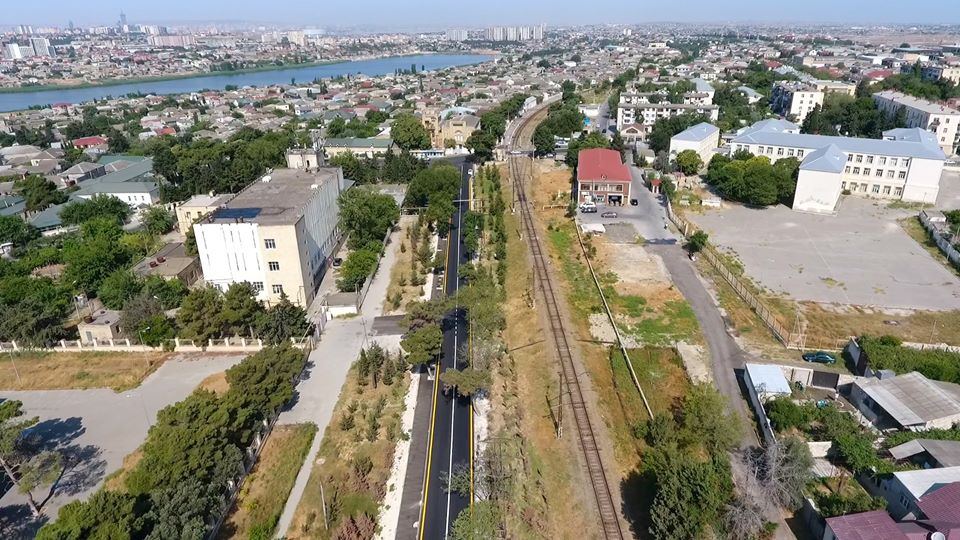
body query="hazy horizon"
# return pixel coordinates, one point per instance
(436, 14)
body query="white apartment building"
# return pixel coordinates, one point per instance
(637, 112)
(905, 165)
(13, 51)
(279, 234)
(940, 120)
(795, 99)
(41, 46)
(703, 138)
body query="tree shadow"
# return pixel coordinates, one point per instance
(83, 469)
(55, 434)
(17, 522)
(636, 496)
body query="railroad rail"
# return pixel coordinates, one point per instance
(609, 515)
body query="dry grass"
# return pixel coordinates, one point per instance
(216, 383)
(348, 492)
(914, 229)
(77, 370)
(265, 491)
(546, 502)
(117, 480)
(401, 291)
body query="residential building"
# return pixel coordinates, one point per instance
(795, 100)
(928, 453)
(198, 206)
(905, 490)
(935, 72)
(13, 51)
(905, 165)
(41, 46)
(358, 147)
(457, 128)
(752, 95)
(909, 401)
(602, 178)
(100, 327)
(863, 526)
(942, 121)
(457, 34)
(514, 33)
(305, 158)
(638, 109)
(170, 262)
(133, 184)
(279, 234)
(834, 87)
(703, 138)
(171, 41)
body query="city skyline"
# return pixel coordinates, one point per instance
(434, 14)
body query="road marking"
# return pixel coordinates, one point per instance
(456, 336)
(433, 420)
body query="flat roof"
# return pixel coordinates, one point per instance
(206, 201)
(277, 198)
(768, 378)
(916, 103)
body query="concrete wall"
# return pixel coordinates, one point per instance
(230, 253)
(923, 181)
(817, 191)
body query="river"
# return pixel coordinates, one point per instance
(380, 66)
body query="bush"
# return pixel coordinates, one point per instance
(784, 414)
(887, 353)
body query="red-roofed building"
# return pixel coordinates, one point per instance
(863, 526)
(602, 178)
(942, 504)
(90, 142)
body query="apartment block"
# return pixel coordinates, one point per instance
(905, 165)
(942, 121)
(638, 112)
(279, 234)
(795, 100)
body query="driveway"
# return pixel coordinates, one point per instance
(861, 256)
(95, 429)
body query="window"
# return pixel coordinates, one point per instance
(898, 191)
(876, 188)
(843, 185)
(856, 170)
(859, 158)
(883, 161)
(863, 188)
(869, 159)
(866, 172)
(277, 289)
(879, 173)
(893, 162)
(770, 150)
(886, 190)
(779, 151)
(906, 162)
(846, 169)
(853, 186)
(799, 153)
(790, 152)
(273, 266)
(270, 243)
(890, 173)
(258, 286)
(850, 157)
(902, 175)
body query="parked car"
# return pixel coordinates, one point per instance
(634, 202)
(609, 215)
(588, 208)
(819, 357)
(337, 262)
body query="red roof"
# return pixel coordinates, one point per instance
(601, 164)
(866, 526)
(943, 504)
(772, 64)
(89, 141)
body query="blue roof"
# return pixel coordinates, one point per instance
(702, 85)
(697, 133)
(237, 213)
(827, 159)
(914, 143)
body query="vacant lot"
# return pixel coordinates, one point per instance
(265, 491)
(861, 256)
(77, 370)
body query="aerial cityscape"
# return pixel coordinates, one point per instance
(510, 270)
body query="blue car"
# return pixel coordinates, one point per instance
(819, 357)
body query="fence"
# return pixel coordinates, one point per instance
(235, 344)
(942, 242)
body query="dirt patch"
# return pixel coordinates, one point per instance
(408, 277)
(216, 383)
(77, 370)
(117, 481)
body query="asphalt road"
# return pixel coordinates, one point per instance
(450, 437)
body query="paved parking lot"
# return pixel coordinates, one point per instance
(647, 218)
(860, 256)
(96, 429)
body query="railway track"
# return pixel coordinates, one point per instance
(609, 515)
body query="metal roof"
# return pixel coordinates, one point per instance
(827, 159)
(768, 379)
(865, 526)
(912, 399)
(697, 133)
(946, 453)
(902, 142)
(923, 482)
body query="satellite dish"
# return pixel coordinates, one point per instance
(937, 535)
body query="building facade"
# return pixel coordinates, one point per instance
(702, 138)
(279, 234)
(795, 100)
(942, 121)
(639, 109)
(602, 178)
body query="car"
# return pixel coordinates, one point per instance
(337, 262)
(819, 357)
(634, 202)
(609, 215)
(588, 208)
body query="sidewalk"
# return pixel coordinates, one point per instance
(327, 370)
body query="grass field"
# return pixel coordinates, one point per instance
(354, 462)
(77, 370)
(265, 491)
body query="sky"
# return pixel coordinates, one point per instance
(447, 13)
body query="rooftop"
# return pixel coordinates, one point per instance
(277, 198)
(601, 164)
(206, 201)
(827, 159)
(697, 133)
(916, 103)
(354, 142)
(923, 482)
(168, 262)
(946, 453)
(913, 399)
(865, 526)
(768, 379)
(943, 504)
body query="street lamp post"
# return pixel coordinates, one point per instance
(140, 332)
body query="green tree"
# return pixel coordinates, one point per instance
(158, 220)
(665, 128)
(483, 521)
(367, 216)
(481, 143)
(38, 192)
(689, 162)
(467, 382)
(199, 315)
(169, 292)
(408, 133)
(107, 514)
(697, 242)
(98, 206)
(355, 269)
(284, 320)
(119, 287)
(137, 310)
(95, 254)
(422, 345)
(15, 230)
(241, 309)
(25, 467)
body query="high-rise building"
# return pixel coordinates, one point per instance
(41, 46)
(514, 33)
(13, 51)
(123, 19)
(171, 41)
(24, 29)
(457, 34)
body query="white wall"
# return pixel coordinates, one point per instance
(923, 181)
(230, 253)
(817, 191)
